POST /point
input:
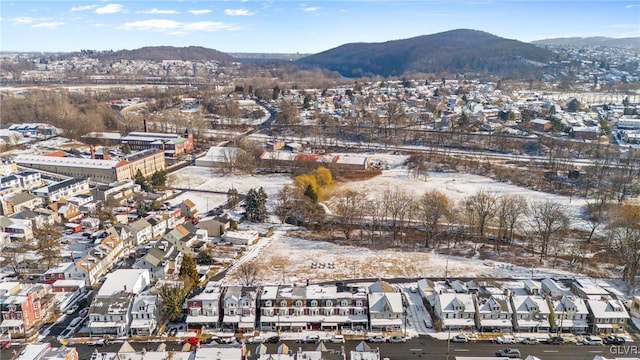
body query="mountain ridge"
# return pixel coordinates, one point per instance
(455, 51)
(627, 42)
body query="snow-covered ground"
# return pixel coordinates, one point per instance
(322, 261)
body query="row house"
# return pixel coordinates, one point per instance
(163, 261)
(141, 232)
(530, 313)
(569, 314)
(144, 315)
(158, 225)
(456, 311)
(607, 316)
(117, 192)
(184, 239)
(312, 307)
(22, 306)
(98, 260)
(24, 180)
(494, 312)
(19, 202)
(63, 189)
(385, 307)
(239, 308)
(39, 217)
(111, 311)
(18, 229)
(203, 310)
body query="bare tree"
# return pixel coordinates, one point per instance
(431, 208)
(482, 207)
(349, 210)
(285, 203)
(511, 210)
(397, 204)
(549, 219)
(625, 234)
(48, 245)
(247, 273)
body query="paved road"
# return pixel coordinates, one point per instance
(420, 348)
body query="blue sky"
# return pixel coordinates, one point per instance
(289, 26)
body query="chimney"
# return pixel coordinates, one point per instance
(144, 122)
(92, 150)
(125, 288)
(105, 153)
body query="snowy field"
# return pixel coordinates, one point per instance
(319, 260)
(457, 186)
(325, 261)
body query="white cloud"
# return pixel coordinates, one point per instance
(153, 24)
(110, 9)
(158, 11)
(48, 25)
(238, 12)
(23, 20)
(200, 12)
(311, 9)
(83, 8)
(631, 6)
(177, 28)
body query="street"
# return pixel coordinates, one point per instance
(418, 348)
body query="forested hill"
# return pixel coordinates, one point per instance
(160, 53)
(455, 51)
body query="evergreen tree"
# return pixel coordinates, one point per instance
(256, 209)
(311, 193)
(159, 178)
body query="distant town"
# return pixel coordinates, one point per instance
(190, 209)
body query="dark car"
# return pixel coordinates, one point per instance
(555, 340)
(273, 339)
(614, 340)
(173, 332)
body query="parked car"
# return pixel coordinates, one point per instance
(173, 332)
(273, 339)
(614, 340)
(590, 340)
(255, 340)
(75, 322)
(99, 342)
(227, 340)
(505, 339)
(5, 343)
(555, 340)
(459, 339)
(191, 341)
(376, 339)
(397, 339)
(509, 352)
(71, 310)
(311, 339)
(337, 339)
(84, 312)
(529, 341)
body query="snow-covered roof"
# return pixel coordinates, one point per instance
(452, 302)
(127, 280)
(607, 308)
(385, 302)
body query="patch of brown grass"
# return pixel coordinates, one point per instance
(360, 175)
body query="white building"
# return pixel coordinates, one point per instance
(455, 311)
(531, 313)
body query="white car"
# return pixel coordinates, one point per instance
(397, 339)
(337, 339)
(255, 340)
(590, 340)
(376, 339)
(72, 310)
(506, 339)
